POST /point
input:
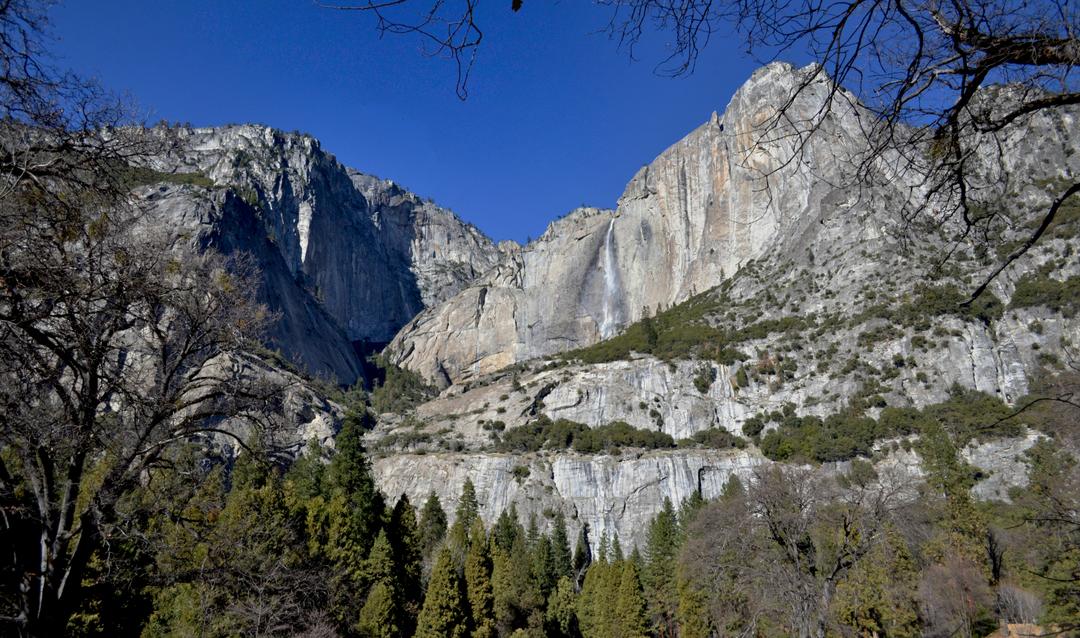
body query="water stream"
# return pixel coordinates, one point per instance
(611, 285)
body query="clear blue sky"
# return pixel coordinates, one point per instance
(557, 117)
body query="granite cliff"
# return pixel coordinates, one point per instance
(739, 278)
(347, 258)
(696, 214)
(802, 291)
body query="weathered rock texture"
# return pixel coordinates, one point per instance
(348, 257)
(698, 212)
(816, 257)
(619, 496)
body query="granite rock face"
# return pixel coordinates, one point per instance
(843, 301)
(614, 496)
(618, 496)
(696, 214)
(347, 256)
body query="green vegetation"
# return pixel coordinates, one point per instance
(715, 438)
(400, 391)
(545, 434)
(704, 378)
(966, 415)
(684, 331)
(1040, 290)
(314, 550)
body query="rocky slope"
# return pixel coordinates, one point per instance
(713, 297)
(805, 294)
(347, 257)
(701, 210)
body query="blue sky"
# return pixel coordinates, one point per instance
(557, 117)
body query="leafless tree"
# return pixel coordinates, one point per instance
(113, 347)
(776, 553)
(920, 70)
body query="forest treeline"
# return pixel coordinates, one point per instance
(257, 548)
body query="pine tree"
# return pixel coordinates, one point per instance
(560, 547)
(503, 584)
(379, 565)
(542, 568)
(344, 521)
(478, 583)
(616, 550)
(506, 528)
(690, 507)
(733, 489)
(349, 475)
(693, 612)
(251, 469)
(532, 533)
(467, 512)
(662, 546)
(603, 551)
(879, 595)
(378, 616)
(405, 540)
(631, 620)
(305, 476)
(444, 613)
(596, 604)
(468, 509)
(589, 602)
(561, 612)
(432, 525)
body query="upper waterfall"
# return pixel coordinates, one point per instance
(610, 320)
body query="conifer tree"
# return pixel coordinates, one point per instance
(692, 613)
(380, 565)
(405, 540)
(542, 569)
(478, 583)
(560, 547)
(631, 620)
(532, 533)
(349, 475)
(432, 525)
(589, 602)
(603, 550)
(444, 613)
(344, 522)
(379, 616)
(305, 476)
(506, 528)
(561, 611)
(251, 469)
(662, 546)
(467, 512)
(503, 583)
(468, 508)
(616, 550)
(690, 506)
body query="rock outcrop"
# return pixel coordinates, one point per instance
(618, 496)
(803, 280)
(348, 258)
(696, 214)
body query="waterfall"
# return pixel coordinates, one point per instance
(611, 285)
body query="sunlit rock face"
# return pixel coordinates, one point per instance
(612, 495)
(347, 256)
(618, 496)
(693, 216)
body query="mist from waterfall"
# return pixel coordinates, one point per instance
(611, 285)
